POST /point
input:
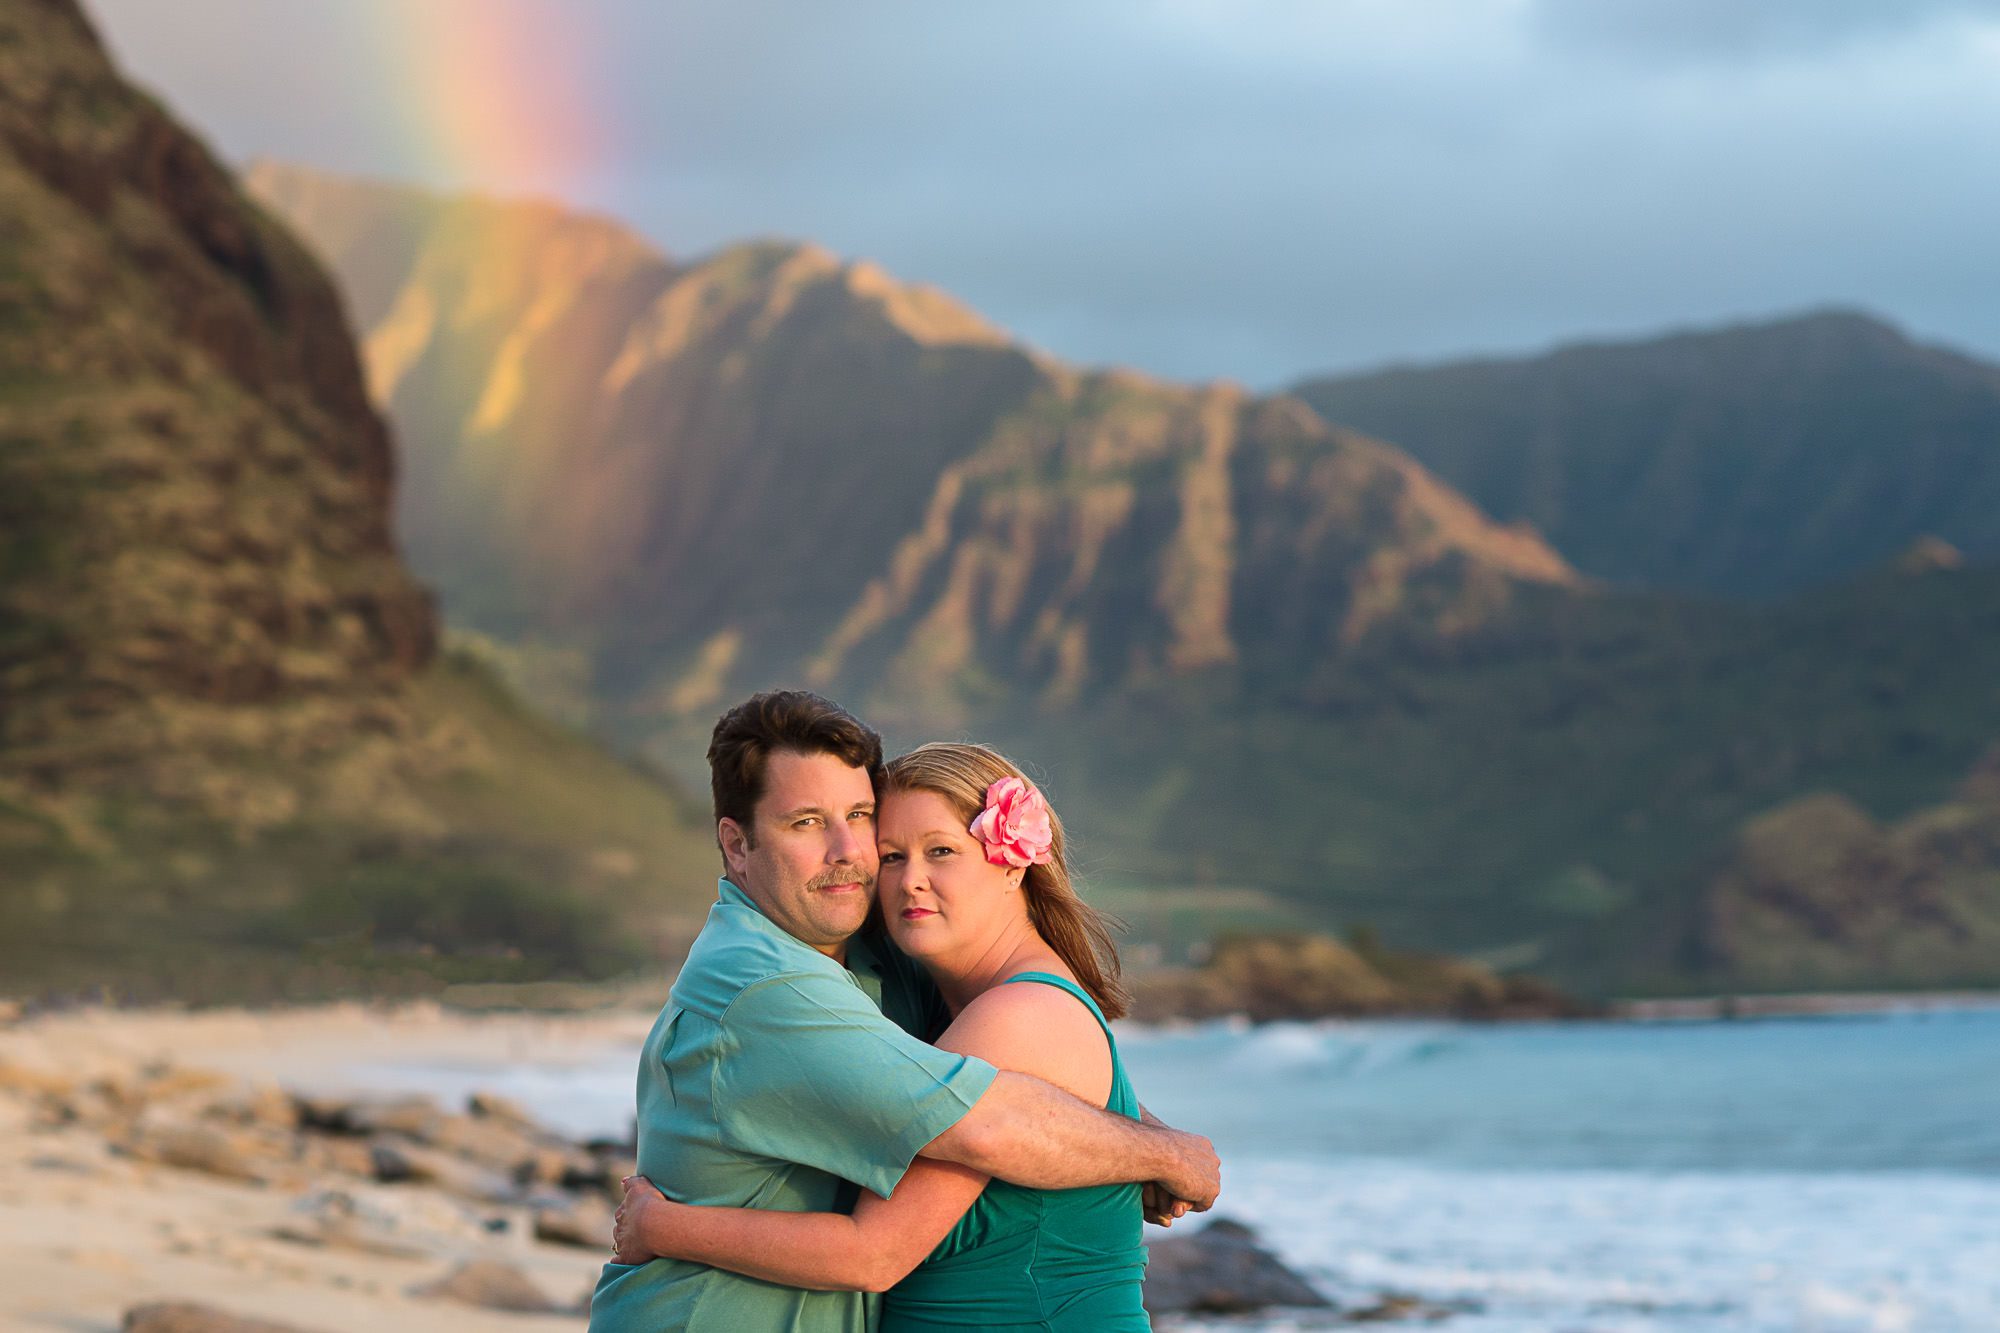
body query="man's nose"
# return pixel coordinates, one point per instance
(847, 843)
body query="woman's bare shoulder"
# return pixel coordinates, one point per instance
(1036, 1029)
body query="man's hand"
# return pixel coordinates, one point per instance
(1160, 1205)
(641, 1207)
(1196, 1177)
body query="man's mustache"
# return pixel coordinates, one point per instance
(827, 879)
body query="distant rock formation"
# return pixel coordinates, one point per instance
(1268, 977)
(1754, 460)
(771, 462)
(1816, 893)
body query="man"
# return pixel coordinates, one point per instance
(787, 1067)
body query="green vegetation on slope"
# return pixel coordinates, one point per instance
(516, 850)
(1559, 801)
(1755, 460)
(231, 761)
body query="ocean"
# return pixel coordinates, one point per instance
(1806, 1175)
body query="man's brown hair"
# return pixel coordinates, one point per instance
(796, 720)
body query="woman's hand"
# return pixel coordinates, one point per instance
(1161, 1207)
(642, 1214)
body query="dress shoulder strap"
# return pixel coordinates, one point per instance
(1064, 983)
(1122, 1100)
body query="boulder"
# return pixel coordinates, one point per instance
(324, 1154)
(187, 1317)
(265, 1105)
(586, 1222)
(232, 1154)
(1220, 1269)
(493, 1143)
(491, 1285)
(492, 1106)
(380, 1221)
(398, 1160)
(414, 1116)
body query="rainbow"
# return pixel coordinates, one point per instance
(500, 95)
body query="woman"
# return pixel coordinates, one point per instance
(974, 886)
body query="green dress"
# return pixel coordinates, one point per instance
(1052, 1261)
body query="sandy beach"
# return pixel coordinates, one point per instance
(94, 1222)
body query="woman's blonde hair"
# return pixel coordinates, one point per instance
(1080, 934)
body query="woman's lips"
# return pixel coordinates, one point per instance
(917, 913)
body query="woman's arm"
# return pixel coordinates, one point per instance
(871, 1250)
(1031, 1029)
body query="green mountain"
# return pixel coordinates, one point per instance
(227, 735)
(1276, 673)
(1749, 461)
(769, 462)
(1560, 792)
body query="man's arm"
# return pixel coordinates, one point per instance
(1159, 1203)
(1036, 1135)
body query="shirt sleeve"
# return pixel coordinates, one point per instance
(816, 1075)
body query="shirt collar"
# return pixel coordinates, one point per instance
(860, 951)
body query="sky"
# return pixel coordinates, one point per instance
(1249, 189)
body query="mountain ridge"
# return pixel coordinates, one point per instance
(891, 403)
(1252, 650)
(1630, 454)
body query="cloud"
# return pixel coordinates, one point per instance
(1742, 30)
(1251, 188)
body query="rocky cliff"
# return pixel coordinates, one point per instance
(195, 485)
(223, 710)
(771, 463)
(1246, 647)
(1755, 460)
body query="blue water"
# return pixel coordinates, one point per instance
(1829, 1175)
(1917, 1092)
(1826, 1175)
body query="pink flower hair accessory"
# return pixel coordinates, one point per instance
(1014, 825)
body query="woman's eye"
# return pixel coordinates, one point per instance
(941, 851)
(891, 858)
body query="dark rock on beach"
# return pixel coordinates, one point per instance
(585, 1222)
(1293, 975)
(1221, 1269)
(491, 1285)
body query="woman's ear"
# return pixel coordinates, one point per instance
(1015, 874)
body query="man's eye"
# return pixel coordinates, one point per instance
(862, 815)
(806, 822)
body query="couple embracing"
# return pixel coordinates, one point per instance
(886, 1066)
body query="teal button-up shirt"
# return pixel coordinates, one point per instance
(773, 1078)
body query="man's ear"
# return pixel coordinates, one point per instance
(734, 840)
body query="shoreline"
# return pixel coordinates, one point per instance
(1801, 1004)
(542, 1012)
(233, 1159)
(237, 1158)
